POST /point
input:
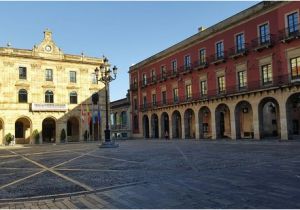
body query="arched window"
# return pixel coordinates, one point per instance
(22, 96)
(49, 97)
(73, 98)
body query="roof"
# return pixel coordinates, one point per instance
(201, 35)
(48, 50)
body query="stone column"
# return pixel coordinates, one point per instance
(149, 127)
(213, 122)
(256, 122)
(170, 127)
(58, 129)
(232, 122)
(182, 126)
(283, 119)
(197, 129)
(160, 133)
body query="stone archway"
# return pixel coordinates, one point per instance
(154, 126)
(189, 124)
(49, 130)
(293, 116)
(244, 120)
(176, 125)
(23, 130)
(205, 123)
(223, 128)
(164, 124)
(146, 126)
(2, 141)
(73, 129)
(269, 119)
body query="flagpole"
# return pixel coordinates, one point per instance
(93, 121)
(98, 123)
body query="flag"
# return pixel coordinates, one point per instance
(88, 114)
(94, 117)
(82, 114)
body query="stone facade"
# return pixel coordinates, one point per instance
(120, 118)
(44, 89)
(236, 79)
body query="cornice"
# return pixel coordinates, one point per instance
(258, 9)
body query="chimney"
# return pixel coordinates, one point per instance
(201, 28)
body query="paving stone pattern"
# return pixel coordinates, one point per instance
(152, 174)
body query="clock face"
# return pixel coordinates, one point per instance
(48, 48)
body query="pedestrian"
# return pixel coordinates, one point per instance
(166, 135)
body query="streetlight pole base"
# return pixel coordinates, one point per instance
(109, 144)
(107, 135)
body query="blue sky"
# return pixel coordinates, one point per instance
(125, 32)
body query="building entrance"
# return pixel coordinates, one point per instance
(146, 126)
(223, 127)
(49, 130)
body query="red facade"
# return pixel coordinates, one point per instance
(246, 22)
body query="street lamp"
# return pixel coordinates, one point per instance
(105, 77)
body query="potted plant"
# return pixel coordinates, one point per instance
(63, 135)
(36, 136)
(9, 138)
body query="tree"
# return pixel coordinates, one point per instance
(8, 138)
(36, 136)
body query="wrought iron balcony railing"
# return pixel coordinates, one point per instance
(239, 51)
(119, 127)
(263, 42)
(219, 57)
(250, 86)
(289, 33)
(133, 86)
(201, 64)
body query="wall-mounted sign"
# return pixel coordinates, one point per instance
(49, 107)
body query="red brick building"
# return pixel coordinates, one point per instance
(236, 79)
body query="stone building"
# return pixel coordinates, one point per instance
(120, 118)
(44, 89)
(236, 79)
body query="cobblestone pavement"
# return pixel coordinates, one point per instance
(152, 174)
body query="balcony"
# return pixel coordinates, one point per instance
(219, 58)
(133, 87)
(290, 33)
(143, 83)
(186, 69)
(144, 107)
(119, 127)
(174, 74)
(153, 80)
(198, 65)
(162, 77)
(236, 52)
(263, 42)
(237, 89)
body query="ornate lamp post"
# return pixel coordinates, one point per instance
(105, 77)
